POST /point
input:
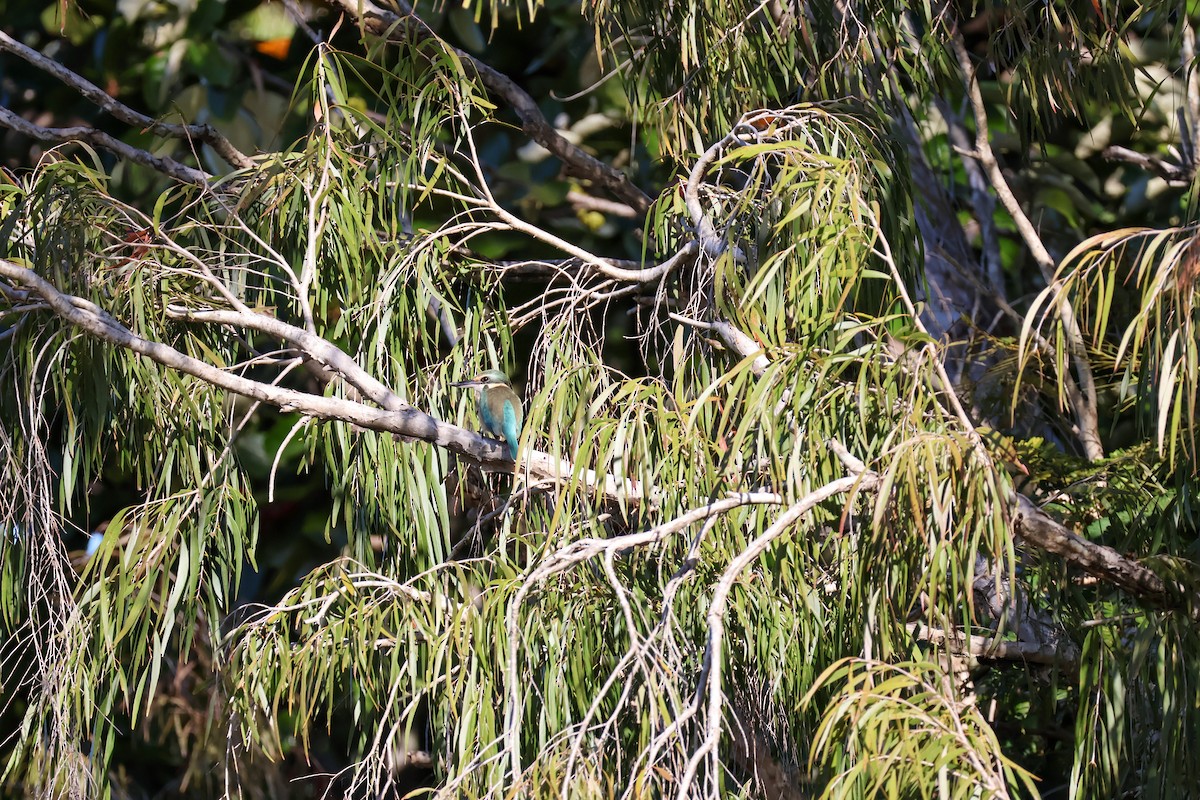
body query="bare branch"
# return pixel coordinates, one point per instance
(584, 549)
(1086, 415)
(702, 222)
(853, 464)
(578, 552)
(711, 675)
(1174, 174)
(109, 104)
(1037, 528)
(396, 417)
(733, 338)
(82, 133)
(601, 265)
(589, 203)
(312, 345)
(983, 647)
(407, 26)
(537, 268)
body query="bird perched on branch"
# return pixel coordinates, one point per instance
(498, 405)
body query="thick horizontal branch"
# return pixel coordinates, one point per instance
(399, 418)
(403, 419)
(109, 104)
(406, 26)
(314, 346)
(1037, 528)
(82, 133)
(982, 647)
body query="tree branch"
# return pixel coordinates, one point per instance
(983, 647)
(579, 552)
(586, 202)
(603, 266)
(406, 26)
(534, 268)
(82, 133)
(711, 673)
(396, 417)
(93, 93)
(1174, 174)
(733, 338)
(1086, 415)
(1037, 528)
(619, 269)
(314, 346)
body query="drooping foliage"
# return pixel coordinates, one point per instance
(774, 533)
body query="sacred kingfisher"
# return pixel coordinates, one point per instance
(498, 405)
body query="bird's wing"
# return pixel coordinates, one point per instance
(512, 422)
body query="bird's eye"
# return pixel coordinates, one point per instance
(484, 379)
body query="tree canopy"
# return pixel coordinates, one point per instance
(859, 355)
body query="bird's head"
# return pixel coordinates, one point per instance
(493, 377)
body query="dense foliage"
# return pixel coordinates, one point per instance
(858, 344)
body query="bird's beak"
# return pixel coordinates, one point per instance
(465, 385)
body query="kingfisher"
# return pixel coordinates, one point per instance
(498, 405)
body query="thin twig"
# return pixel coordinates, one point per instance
(1175, 175)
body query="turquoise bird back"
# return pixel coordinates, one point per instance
(501, 414)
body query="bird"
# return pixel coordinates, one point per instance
(498, 405)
